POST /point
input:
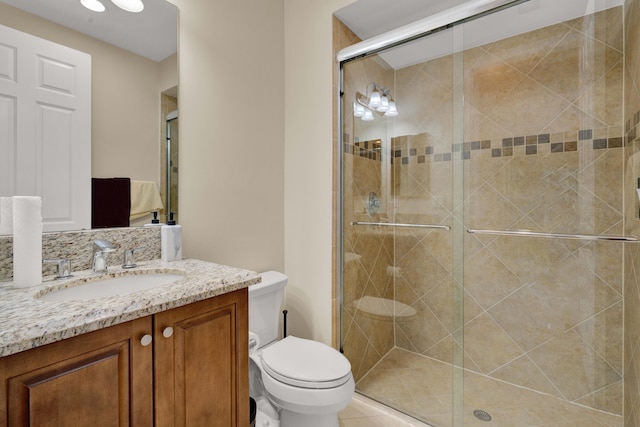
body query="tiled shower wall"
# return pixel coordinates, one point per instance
(367, 337)
(632, 223)
(543, 150)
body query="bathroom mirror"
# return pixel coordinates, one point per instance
(134, 75)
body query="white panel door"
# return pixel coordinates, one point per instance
(45, 127)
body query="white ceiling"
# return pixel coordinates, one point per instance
(152, 33)
(369, 18)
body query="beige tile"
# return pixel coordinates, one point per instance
(525, 51)
(487, 344)
(602, 99)
(488, 82)
(603, 333)
(573, 368)
(527, 319)
(487, 279)
(488, 209)
(524, 372)
(528, 109)
(605, 26)
(424, 330)
(576, 62)
(366, 412)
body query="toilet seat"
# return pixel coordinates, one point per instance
(305, 363)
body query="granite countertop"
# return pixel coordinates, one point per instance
(26, 322)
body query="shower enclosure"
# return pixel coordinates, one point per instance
(485, 240)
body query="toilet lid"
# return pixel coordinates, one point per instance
(305, 363)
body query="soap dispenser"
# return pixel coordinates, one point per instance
(171, 239)
(155, 222)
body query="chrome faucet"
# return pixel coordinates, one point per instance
(63, 267)
(101, 250)
(129, 259)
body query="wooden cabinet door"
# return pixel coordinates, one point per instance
(102, 378)
(201, 364)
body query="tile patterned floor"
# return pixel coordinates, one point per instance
(399, 380)
(364, 412)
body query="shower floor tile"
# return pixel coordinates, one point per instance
(422, 387)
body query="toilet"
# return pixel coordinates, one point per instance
(296, 382)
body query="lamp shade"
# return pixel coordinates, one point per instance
(368, 116)
(384, 104)
(358, 110)
(374, 99)
(392, 111)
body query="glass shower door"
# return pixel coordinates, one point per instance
(543, 308)
(508, 122)
(401, 300)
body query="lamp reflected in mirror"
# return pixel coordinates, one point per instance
(377, 99)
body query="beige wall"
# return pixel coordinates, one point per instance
(309, 90)
(125, 110)
(168, 72)
(231, 104)
(241, 174)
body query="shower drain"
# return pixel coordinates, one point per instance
(482, 415)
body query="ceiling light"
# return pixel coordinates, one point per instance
(93, 5)
(129, 5)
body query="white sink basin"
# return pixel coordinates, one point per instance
(111, 286)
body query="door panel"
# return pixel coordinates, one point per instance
(45, 101)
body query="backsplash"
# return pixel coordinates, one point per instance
(77, 246)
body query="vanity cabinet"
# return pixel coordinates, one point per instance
(201, 363)
(103, 375)
(187, 366)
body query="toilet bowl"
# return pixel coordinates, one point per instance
(305, 382)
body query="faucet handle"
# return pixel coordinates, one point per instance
(103, 246)
(129, 260)
(63, 267)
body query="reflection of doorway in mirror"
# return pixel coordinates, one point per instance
(169, 154)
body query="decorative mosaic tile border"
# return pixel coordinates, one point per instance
(631, 130)
(561, 142)
(631, 126)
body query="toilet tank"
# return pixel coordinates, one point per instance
(265, 301)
